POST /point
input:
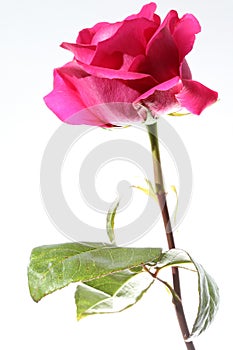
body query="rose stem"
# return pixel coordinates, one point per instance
(159, 184)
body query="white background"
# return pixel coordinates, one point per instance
(31, 32)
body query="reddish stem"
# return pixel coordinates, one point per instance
(159, 184)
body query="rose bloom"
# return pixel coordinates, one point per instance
(121, 70)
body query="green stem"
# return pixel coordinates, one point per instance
(161, 194)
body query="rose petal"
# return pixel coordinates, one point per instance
(147, 11)
(83, 53)
(169, 21)
(162, 61)
(86, 35)
(84, 49)
(185, 71)
(101, 101)
(131, 39)
(112, 73)
(195, 97)
(171, 47)
(160, 87)
(106, 31)
(64, 100)
(184, 34)
(161, 99)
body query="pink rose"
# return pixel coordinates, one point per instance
(125, 66)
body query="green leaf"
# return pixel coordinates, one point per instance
(208, 301)
(207, 288)
(177, 114)
(110, 221)
(56, 266)
(150, 191)
(173, 188)
(112, 293)
(173, 257)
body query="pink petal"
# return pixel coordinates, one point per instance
(147, 11)
(112, 73)
(84, 49)
(136, 63)
(64, 101)
(162, 61)
(161, 99)
(106, 31)
(185, 71)
(160, 87)
(131, 39)
(78, 98)
(86, 35)
(112, 60)
(170, 21)
(170, 44)
(184, 34)
(83, 53)
(195, 97)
